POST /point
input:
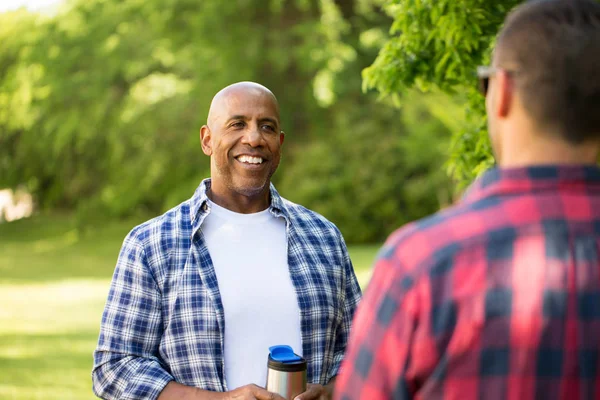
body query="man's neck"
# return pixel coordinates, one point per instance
(528, 149)
(240, 203)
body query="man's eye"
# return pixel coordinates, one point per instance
(238, 125)
(269, 128)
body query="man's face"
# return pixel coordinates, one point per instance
(244, 142)
(490, 104)
(491, 121)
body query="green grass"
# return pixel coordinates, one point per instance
(53, 285)
(50, 248)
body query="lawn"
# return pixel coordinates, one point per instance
(53, 284)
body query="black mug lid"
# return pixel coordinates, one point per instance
(294, 366)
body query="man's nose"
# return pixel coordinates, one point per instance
(252, 137)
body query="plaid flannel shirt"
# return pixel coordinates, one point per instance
(164, 319)
(495, 298)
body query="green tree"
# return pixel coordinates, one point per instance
(101, 106)
(378, 169)
(439, 44)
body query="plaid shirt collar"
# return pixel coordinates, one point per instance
(505, 181)
(199, 207)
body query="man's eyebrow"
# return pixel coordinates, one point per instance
(245, 118)
(271, 120)
(234, 117)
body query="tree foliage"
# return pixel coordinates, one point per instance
(439, 44)
(101, 106)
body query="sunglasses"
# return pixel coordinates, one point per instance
(484, 74)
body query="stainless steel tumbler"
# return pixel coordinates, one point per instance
(286, 372)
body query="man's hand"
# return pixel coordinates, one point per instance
(317, 392)
(252, 392)
(177, 391)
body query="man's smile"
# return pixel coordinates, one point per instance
(246, 159)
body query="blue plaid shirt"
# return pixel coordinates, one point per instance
(164, 319)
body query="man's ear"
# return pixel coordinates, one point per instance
(281, 137)
(505, 94)
(205, 141)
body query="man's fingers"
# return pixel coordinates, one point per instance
(263, 394)
(312, 392)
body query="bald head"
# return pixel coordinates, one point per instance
(228, 97)
(243, 139)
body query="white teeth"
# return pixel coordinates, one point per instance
(250, 160)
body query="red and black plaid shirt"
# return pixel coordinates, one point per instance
(495, 298)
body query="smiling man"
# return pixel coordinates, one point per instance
(243, 139)
(200, 293)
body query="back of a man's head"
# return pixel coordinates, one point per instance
(552, 48)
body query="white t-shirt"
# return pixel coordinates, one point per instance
(249, 253)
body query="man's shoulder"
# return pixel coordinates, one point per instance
(425, 243)
(175, 221)
(309, 219)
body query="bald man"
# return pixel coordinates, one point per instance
(200, 293)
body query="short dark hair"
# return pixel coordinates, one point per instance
(554, 48)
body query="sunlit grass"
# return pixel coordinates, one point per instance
(50, 248)
(47, 336)
(47, 308)
(363, 257)
(53, 285)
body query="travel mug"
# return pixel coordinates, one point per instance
(286, 372)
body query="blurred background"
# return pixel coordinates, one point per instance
(101, 103)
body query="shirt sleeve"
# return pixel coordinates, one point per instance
(351, 297)
(126, 365)
(379, 350)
